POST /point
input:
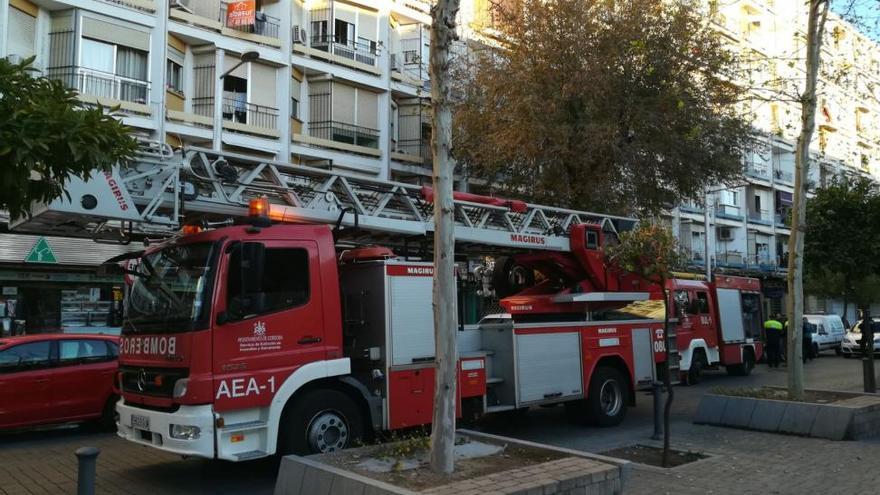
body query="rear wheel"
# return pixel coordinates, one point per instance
(319, 422)
(815, 350)
(608, 397)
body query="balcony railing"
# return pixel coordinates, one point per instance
(101, 84)
(415, 147)
(204, 106)
(762, 217)
(264, 24)
(728, 211)
(345, 133)
(783, 176)
(249, 113)
(758, 172)
(364, 53)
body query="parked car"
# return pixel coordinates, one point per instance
(829, 334)
(57, 378)
(852, 341)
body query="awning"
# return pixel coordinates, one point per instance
(783, 198)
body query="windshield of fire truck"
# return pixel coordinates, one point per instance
(170, 292)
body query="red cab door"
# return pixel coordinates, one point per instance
(82, 381)
(25, 371)
(269, 320)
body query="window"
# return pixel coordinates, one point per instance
(82, 351)
(21, 34)
(107, 60)
(174, 81)
(284, 283)
(344, 32)
(703, 303)
(682, 302)
(319, 31)
(592, 239)
(25, 356)
(97, 55)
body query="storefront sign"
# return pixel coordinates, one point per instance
(41, 253)
(241, 13)
(10, 291)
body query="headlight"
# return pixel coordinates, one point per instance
(180, 387)
(185, 432)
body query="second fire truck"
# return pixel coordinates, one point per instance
(310, 326)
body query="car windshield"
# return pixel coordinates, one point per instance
(170, 291)
(857, 328)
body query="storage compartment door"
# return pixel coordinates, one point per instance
(412, 321)
(548, 366)
(730, 309)
(643, 356)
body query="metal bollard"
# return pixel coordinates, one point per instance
(656, 388)
(868, 379)
(85, 480)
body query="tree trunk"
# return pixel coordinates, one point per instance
(443, 424)
(818, 12)
(667, 377)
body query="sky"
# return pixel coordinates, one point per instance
(864, 13)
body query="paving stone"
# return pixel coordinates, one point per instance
(738, 412)
(767, 415)
(711, 409)
(798, 418)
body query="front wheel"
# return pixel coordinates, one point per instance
(608, 397)
(695, 373)
(838, 351)
(320, 422)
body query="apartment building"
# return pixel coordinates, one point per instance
(748, 224)
(325, 83)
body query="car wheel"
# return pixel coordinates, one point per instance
(320, 422)
(838, 351)
(745, 368)
(815, 350)
(609, 394)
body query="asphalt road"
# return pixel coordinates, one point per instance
(43, 462)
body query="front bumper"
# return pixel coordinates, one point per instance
(856, 349)
(159, 433)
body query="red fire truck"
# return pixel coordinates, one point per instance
(310, 326)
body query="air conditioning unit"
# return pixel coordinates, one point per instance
(299, 35)
(725, 234)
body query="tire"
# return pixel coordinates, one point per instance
(698, 363)
(319, 422)
(508, 278)
(815, 351)
(608, 396)
(838, 351)
(745, 368)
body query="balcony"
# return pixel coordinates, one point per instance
(241, 112)
(344, 133)
(760, 217)
(729, 212)
(783, 176)
(730, 259)
(365, 53)
(264, 24)
(757, 172)
(415, 147)
(89, 82)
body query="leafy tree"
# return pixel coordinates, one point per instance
(47, 136)
(651, 251)
(842, 235)
(601, 105)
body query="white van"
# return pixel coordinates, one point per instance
(829, 332)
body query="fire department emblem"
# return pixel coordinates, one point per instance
(142, 380)
(259, 329)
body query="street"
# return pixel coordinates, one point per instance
(741, 462)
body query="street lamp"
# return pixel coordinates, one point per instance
(245, 57)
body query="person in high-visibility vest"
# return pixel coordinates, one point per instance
(772, 336)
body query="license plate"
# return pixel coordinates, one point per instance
(140, 422)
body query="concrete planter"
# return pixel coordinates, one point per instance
(850, 419)
(579, 473)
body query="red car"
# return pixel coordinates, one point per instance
(57, 378)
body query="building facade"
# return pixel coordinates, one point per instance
(344, 85)
(748, 224)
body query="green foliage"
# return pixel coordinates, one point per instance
(47, 136)
(842, 235)
(650, 250)
(601, 105)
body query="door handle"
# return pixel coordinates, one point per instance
(309, 340)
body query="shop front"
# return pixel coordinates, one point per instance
(52, 284)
